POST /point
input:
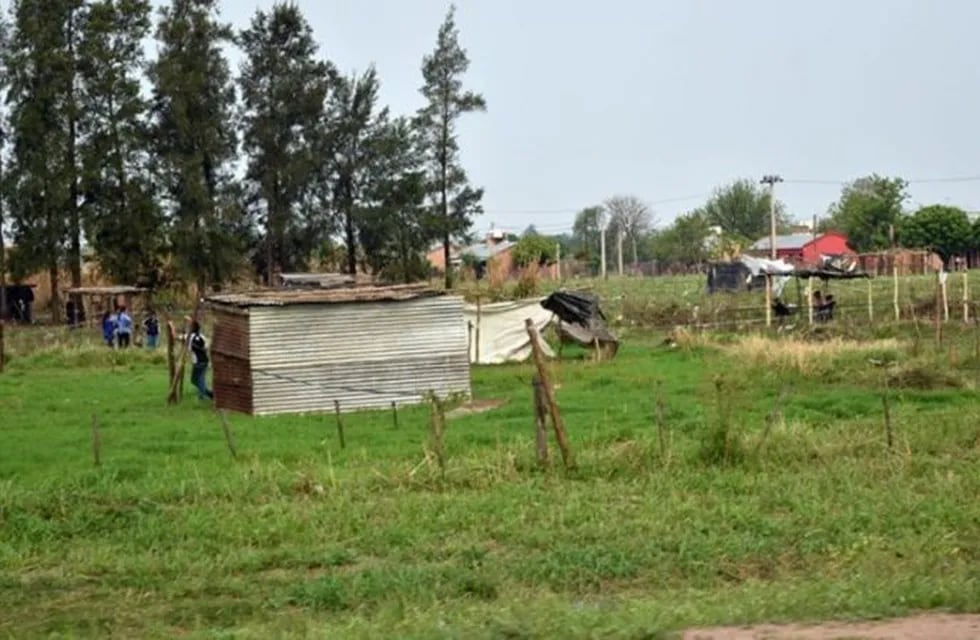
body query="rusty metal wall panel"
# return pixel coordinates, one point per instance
(232, 383)
(232, 372)
(365, 355)
(231, 335)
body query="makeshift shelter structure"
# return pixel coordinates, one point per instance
(299, 351)
(497, 331)
(582, 322)
(96, 300)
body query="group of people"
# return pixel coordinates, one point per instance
(823, 306)
(118, 329)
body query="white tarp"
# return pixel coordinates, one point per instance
(502, 333)
(762, 266)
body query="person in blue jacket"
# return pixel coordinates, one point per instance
(108, 329)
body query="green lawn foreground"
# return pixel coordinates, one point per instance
(297, 537)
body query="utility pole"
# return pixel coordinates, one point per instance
(602, 250)
(619, 250)
(771, 180)
(558, 260)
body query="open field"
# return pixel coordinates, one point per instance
(665, 301)
(723, 521)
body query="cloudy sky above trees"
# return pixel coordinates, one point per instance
(668, 100)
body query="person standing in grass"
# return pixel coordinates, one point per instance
(108, 329)
(152, 327)
(199, 358)
(124, 327)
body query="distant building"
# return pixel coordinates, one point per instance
(492, 257)
(805, 248)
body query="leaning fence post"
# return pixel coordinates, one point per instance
(888, 416)
(549, 393)
(540, 423)
(340, 424)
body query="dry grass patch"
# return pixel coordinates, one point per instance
(808, 358)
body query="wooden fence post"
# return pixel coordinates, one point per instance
(96, 441)
(944, 287)
(540, 423)
(479, 320)
(966, 297)
(888, 416)
(809, 299)
(549, 394)
(898, 309)
(340, 424)
(871, 306)
(939, 304)
(394, 413)
(768, 300)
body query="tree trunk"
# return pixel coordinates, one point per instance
(351, 242)
(444, 194)
(55, 294)
(636, 260)
(75, 246)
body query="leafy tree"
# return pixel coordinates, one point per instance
(40, 62)
(868, 210)
(357, 126)
(742, 210)
(443, 70)
(394, 230)
(122, 219)
(630, 215)
(587, 231)
(194, 109)
(685, 242)
(283, 91)
(532, 249)
(945, 230)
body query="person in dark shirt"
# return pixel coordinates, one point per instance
(152, 327)
(199, 358)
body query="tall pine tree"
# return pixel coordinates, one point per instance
(122, 220)
(356, 126)
(455, 203)
(194, 126)
(40, 61)
(284, 87)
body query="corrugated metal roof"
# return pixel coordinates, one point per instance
(788, 242)
(282, 298)
(363, 355)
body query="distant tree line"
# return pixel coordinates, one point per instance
(179, 168)
(871, 211)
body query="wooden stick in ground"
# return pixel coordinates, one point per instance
(966, 297)
(661, 417)
(540, 423)
(229, 437)
(938, 314)
(888, 416)
(177, 387)
(340, 424)
(96, 441)
(944, 287)
(394, 413)
(871, 305)
(549, 394)
(898, 309)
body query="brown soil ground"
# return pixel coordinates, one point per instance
(924, 627)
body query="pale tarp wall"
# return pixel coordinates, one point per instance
(503, 335)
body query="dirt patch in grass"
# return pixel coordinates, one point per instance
(475, 407)
(924, 627)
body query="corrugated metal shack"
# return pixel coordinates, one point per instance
(297, 351)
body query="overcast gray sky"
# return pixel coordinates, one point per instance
(668, 99)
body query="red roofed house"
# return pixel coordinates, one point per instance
(805, 248)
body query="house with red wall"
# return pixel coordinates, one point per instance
(805, 248)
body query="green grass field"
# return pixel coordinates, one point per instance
(731, 522)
